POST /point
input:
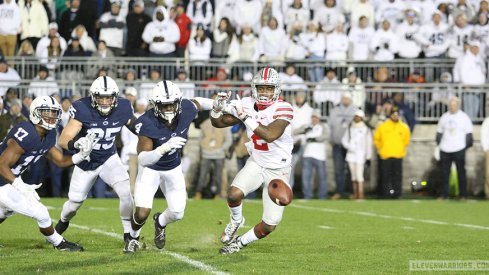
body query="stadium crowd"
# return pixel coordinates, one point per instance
(267, 32)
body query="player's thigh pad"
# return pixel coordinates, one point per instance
(14, 201)
(113, 171)
(173, 187)
(249, 178)
(146, 186)
(272, 213)
(81, 183)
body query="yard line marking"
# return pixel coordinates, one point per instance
(375, 215)
(325, 227)
(185, 259)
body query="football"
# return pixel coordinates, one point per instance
(280, 192)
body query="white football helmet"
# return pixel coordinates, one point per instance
(266, 77)
(164, 94)
(46, 112)
(104, 93)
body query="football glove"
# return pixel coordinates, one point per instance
(86, 144)
(238, 107)
(28, 190)
(173, 143)
(220, 102)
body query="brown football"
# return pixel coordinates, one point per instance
(280, 192)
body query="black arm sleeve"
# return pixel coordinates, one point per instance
(71, 145)
(131, 125)
(438, 138)
(469, 141)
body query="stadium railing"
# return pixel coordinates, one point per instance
(427, 101)
(77, 68)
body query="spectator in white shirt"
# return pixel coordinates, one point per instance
(471, 70)
(8, 77)
(337, 44)
(290, 80)
(480, 32)
(454, 137)
(272, 41)
(314, 157)
(200, 11)
(353, 85)
(247, 50)
(247, 13)
(360, 37)
(327, 92)
(86, 41)
(391, 10)
(9, 26)
(384, 44)
(362, 8)
(44, 41)
(199, 47)
(357, 141)
(112, 24)
(459, 34)
(314, 43)
(186, 86)
(296, 16)
(406, 33)
(485, 147)
(161, 34)
(329, 16)
(434, 37)
(43, 84)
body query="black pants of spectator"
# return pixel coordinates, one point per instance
(205, 169)
(391, 174)
(180, 51)
(446, 160)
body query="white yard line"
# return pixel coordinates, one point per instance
(375, 215)
(325, 227)
(200, 265)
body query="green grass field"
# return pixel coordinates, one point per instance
(370, 237)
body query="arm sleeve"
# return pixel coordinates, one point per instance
(148, 158)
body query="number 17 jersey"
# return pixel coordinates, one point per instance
(276, 154)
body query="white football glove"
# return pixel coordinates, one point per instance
(238, 107)
(173, 143)
(86, 144)
(28, 190)
(220, 101)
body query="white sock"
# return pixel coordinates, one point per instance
(163, 220)
(54, 239)
(135, 233)
(248, 237)
(126, 224)
(236, 212)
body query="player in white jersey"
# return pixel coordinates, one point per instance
(267, 119)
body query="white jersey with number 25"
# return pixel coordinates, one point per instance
(277, 154)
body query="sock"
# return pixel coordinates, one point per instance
(135, 233)
(163, 219)
(236, 212)
(248, 237)
(54, 239)
(126, 224)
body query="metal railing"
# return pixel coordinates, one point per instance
(427, 102)
(78, 68)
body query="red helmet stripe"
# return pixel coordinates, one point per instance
(265, 73)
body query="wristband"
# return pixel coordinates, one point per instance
(215, 114)
(251, 123)
(71, 145)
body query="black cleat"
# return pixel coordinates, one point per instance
(69, 246)
(160, 232)
(131, 245)
(61, 226)
(232, 247)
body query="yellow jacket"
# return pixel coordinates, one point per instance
(392, 139)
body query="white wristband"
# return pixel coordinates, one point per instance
(76, 158)
(215, 114)
(251, 123)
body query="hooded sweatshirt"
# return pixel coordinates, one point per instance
(166, 29)
(9, 18)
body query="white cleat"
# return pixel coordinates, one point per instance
(232, 247)
(230, 231)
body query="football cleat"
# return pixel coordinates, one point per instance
(160, 232)
(131, 245)
(230, 231)
(68, 246)
(232, 247)
(61, 226)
